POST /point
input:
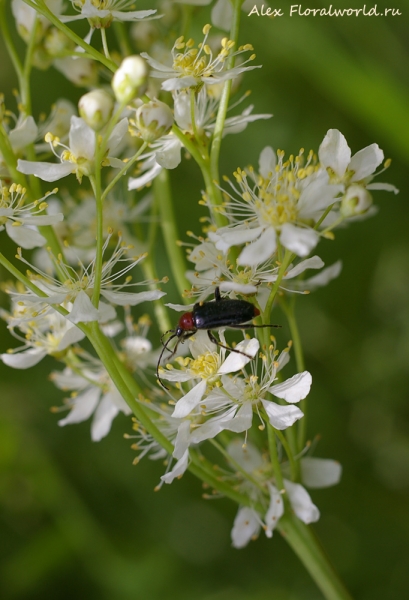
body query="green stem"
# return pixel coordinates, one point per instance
(293, 464)
(306, 546)
(275, 463)
(105, 43)
(170, 231)
(123, 171)
(224, 104)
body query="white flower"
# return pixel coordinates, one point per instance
(76, 158)
(275, 204)
(354, 173)
(208, 366)
(164, 153)
(222, 11)
(101, 13)
(27, 18)
(94, 394)
(20, 220)
(44, 334)
(195, 66)
(78, 287)
(205, 111)
(153, 120)
(235, 403)
(248, 521)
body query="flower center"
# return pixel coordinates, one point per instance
(205, 365)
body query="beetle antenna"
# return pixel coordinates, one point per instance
(163, 335)
(165, 347)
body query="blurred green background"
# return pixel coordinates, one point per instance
(78, 520)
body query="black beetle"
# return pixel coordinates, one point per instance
(218, 313)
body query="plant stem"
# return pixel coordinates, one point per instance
(163, 200)
(308, 549)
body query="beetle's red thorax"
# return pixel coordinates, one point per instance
(186, 322)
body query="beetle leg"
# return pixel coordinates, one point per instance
(217, 296)
(213, 339)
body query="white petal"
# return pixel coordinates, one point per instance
(42, 219)
(301, 502)
(221, 15)
(83, 311)
(24, 360)
(260, 250)
(234, 362)
(365, 162)
(299, 240)
(82, 139)
(103, 417)
(322, 278)
(314, 262)
(246, 527)
(225, 238)
(180, 307)
(118, 133)
(241, 288)
(241, 421)
(317, 197)
(25, 237)
(44, 170)
(182, 439)
(84, 406)
(170, 157)
(178, 470)
(275, 510)
(71, 336)
(131, 299)
(282, 417)
(248, 456)
(185, 405)
(24, 134)
(334, 152)
(267, 161)
(387, 187)
(320, 472)
(178, 83)
(175, 375)
(134, 183)
(294, 389)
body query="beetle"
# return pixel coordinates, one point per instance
(215, 314)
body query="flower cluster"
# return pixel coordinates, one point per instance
(96, 243)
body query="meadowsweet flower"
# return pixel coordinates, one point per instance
(78, 286)
(93, 393)
(231, 405)
(153, 120)
(208, 365)
(195, 66)
(249, 521)
(78, 157)
(354, 173)
(79, 70)
(278, 203)
(205, 111)
(164, 153)
(20, 220)
(26, 18)
(45, 333)
(101, 13)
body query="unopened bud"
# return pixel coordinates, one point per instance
(130, 80)
(356, 201)
(153, 119)
(96, 108)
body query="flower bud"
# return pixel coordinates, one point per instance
(130, 80)
(96, 108)
(153, 119)
(356, 201)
